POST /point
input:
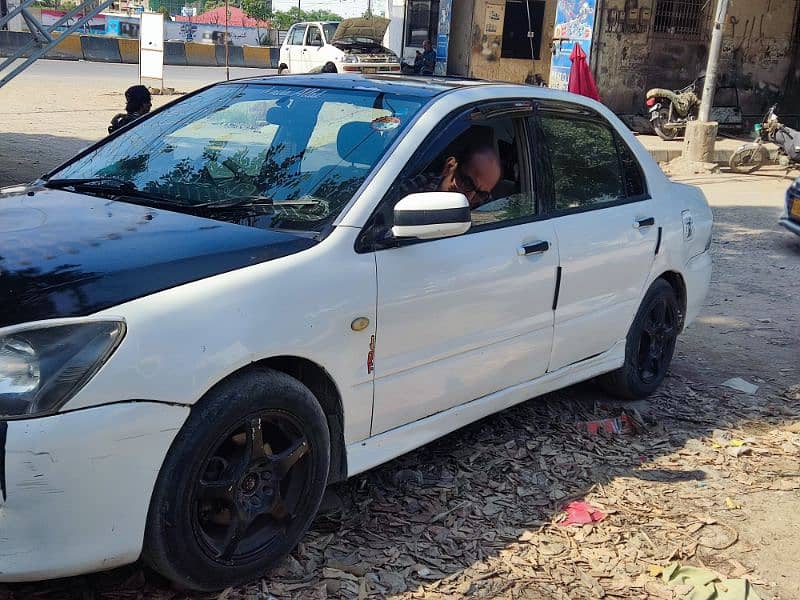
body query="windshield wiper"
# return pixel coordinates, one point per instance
(58, 184)
(258, 201)
(115, 187)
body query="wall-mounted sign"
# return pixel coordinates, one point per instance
(574, 24)
(495, 17)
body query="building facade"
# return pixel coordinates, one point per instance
(641, 44)
(633, 45)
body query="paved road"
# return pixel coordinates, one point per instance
(120, 75)
(55, 108)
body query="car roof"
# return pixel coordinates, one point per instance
(426, 87)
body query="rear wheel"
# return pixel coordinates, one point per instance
(283, 69)
(748, 159)
(241, 483)
(649, 347)
(664, 131)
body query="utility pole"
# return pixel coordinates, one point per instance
(710, 86)
(701, 135)
(227, 43)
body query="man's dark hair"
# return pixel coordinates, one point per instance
(136, 96)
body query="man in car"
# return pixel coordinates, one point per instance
(474, 171)
(138, 102)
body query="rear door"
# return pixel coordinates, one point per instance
(292, 50)
(606, 225)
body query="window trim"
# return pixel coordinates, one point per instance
(529, 181)
(290, 35)
(581, 113)
(308, 34)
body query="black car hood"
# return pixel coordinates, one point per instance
(64, 254)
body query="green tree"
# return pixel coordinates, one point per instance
(257, 9)
(285, 19)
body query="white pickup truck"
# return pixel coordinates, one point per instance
(352, 46)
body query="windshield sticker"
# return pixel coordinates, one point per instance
(385, 123)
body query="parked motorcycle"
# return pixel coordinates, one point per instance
(670, 110)
(748, 158)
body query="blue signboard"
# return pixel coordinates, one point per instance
(443, 37)
(574, 25)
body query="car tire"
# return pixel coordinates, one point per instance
(649, 347)
(282, 69)
(215, 480)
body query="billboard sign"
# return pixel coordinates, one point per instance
(574, 25)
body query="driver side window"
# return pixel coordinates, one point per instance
(296, 36)
(486, 161)
(314, 36)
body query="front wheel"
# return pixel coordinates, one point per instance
(282, 70)
(747, 159)
(241, 483)
(649, 345)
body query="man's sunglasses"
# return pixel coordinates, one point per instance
(467, 185)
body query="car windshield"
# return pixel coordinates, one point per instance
(284, 157)
(330, 30)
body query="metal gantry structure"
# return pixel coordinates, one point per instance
(43, 39)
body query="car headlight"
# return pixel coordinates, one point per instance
(350, 58)
(392, 59)
(42, 368)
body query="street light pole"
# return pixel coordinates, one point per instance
(709, 88)
(227, 42)
(701, 135)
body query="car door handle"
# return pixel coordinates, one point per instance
(533, 248)
(648, 222)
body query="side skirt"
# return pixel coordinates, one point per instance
(371, 452)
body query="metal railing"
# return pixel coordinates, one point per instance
(43, 39)
(681, 18)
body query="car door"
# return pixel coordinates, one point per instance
(463, 317)
(312, 50)
(293, 49)
(606, 226)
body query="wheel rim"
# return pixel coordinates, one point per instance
(656, 341)
(250, 487)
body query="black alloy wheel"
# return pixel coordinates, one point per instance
(250, 486)
(649, 345)
(657, 341)
(241, 484)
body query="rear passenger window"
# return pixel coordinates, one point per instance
(296, 36)
(586, 167)
(634, 181)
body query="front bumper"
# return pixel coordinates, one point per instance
(371, 68)
(77, 487)
(697, 277)
(792, 226)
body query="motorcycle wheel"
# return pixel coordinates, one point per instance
(662, 131)
(747, 159)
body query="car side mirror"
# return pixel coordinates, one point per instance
(431, 215)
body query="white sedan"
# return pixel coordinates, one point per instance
(277, 283)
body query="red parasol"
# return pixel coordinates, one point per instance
(580, 77)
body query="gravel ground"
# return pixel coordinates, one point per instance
(708, 476)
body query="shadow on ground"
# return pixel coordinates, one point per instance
(27, 156)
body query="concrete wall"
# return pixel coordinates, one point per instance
(757, 57)
(474, 51)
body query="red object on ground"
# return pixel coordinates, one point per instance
(580, 77)
(581, 513)
(618, 424)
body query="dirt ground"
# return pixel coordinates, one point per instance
(710, 477)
